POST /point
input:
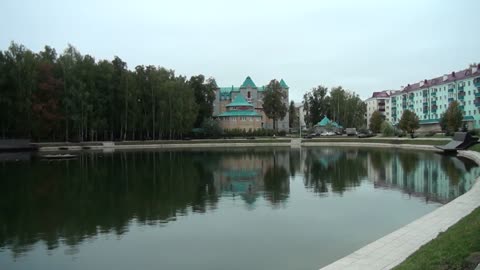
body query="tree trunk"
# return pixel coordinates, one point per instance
(126, 111)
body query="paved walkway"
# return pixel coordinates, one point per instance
(391, 250)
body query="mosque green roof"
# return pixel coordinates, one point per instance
(248, 83)
(283, 84)
(239, 101)
(239, 113)
(325, 121)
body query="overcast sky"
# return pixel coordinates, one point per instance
(364, 46)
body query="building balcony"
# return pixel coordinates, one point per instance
(462, 107)
(425, 103)
(381, 109)
(476, 82)
(477, 102)
(433, 102)
(411, 97)
(461, 97)
(433, 94)
(477, 94)
(450, 90)
(450, 99)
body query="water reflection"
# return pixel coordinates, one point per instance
(433, 177)
(66, 202)
(327, 169)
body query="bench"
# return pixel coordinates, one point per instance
(460, 141)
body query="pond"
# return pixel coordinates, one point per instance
(254, 208)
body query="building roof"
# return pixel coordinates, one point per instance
(380, 94)
(383, 94)
(248, 83)
(283, 84)
(325, 121)
(239, 101)
(335, 124)
(227, 90)
(447, 78)
(239, 113)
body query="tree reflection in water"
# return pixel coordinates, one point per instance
(66, 202)
(328, 169)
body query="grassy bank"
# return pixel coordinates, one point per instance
(258, 140)
(419, 141)
(450, 249)
(226, 141)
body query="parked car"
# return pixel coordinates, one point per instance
(327, 133)
(365, 134)
(311, 135)
(351, 131)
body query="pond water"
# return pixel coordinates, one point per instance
(255, 208)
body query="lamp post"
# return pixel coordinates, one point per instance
(299, 124)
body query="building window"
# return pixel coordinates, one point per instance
(248, 94)
(468, 83)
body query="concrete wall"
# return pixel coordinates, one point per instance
(245, 123)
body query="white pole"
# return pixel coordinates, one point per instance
(299, 123)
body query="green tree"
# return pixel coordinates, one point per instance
(387, 129)
(211, 127)
(46, 103)
(74, 96)
(376, 121)
(274, 102)
(204, 91)
(317, 104)
(293, 117)
(343, 106)
(451, 119)
(409, 122)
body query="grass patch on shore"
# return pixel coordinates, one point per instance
(379, 140)
(226, 141)
(476, 148)
(450, 249)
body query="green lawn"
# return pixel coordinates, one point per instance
(450, 249)
(476, 147)
(226, 141)
(418, 141)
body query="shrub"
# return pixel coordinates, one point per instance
(387, 129)
(474, 132)
(231, 133)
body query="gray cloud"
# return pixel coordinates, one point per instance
(364, 46)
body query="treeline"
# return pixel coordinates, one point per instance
(343, 106)
(74, 97)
